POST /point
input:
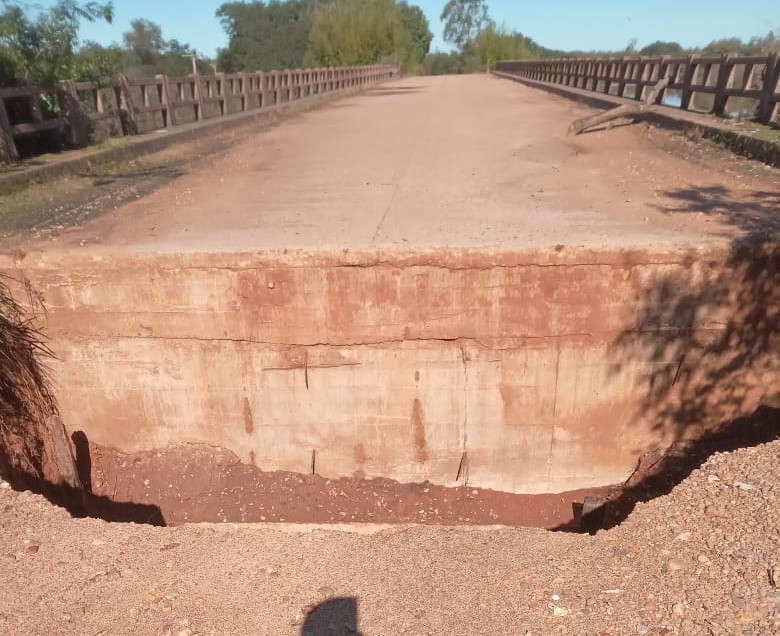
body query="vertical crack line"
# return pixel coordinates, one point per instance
(465, 432)
(313, 461)
(306, 368)
(554, 415)
(679, 370)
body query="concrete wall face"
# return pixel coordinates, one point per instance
(535, 375)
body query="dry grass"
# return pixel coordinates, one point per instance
(26, 398)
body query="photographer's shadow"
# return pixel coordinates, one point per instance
(334, 617)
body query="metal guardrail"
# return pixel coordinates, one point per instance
(722, 77)
(142, 105)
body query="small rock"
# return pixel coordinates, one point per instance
(704, 559)
(171, 595)
(32, 548)
(675, 565)
(184, 632)
(743, 485)
(679, 609)
(98, 542)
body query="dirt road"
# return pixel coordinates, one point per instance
(704, 560)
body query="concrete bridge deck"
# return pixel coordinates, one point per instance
(532, 312)
(469, 161)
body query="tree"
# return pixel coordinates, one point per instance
(659, 48)
(494, 43)
(354, 33)
(266, 36)
(357, 32)
(463, 20)
(145, 41)
(42, 50)
(416, 25)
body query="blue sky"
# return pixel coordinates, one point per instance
(558, 24)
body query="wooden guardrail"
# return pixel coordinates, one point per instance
(133, 106)
(722, 78)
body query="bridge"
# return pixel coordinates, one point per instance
(428, 280)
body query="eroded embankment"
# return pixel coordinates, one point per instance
(530, 373)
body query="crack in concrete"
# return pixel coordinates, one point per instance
(465, 435)
(421, 264)
(367, 343)
(554, 415)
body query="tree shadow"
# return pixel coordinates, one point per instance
(704, 349)
(80, 503)
(334, 617)
(755, 213)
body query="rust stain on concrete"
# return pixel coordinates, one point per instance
(360, 459)
(418, 428)
(249, 421)
(416, 376)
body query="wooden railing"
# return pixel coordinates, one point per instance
(133, 106)
(720, 78)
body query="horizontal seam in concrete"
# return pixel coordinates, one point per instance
(371, 343)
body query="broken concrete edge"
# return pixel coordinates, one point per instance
(449, 258)
(154, 141)
(692, 123)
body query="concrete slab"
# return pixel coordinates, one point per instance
(470, 161)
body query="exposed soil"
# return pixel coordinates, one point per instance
(703, 560)
(190, 483)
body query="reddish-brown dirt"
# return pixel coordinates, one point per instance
(191, 483)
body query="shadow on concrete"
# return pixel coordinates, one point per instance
(395, 90)
(80, 503)
(334, 617)
(101, 507)
(705, 349)
(755, 213)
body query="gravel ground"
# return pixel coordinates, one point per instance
(701, 560)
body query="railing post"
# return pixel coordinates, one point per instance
(687, 91)
(8, 152)
(129, 122)
(766, 107)
(78, 123)
(165, 98)
(246, 96)
(225, 92)
(725, 80)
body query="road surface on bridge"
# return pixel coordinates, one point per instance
(462, 161)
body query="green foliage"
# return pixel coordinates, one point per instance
(498, 43)
(147, 52)
(440, 63)
(144, 40)
(96, 63)
(266, 36)
(359, 32)
(42, 50)
(659, 48)
(463, 20)
(754, 46)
